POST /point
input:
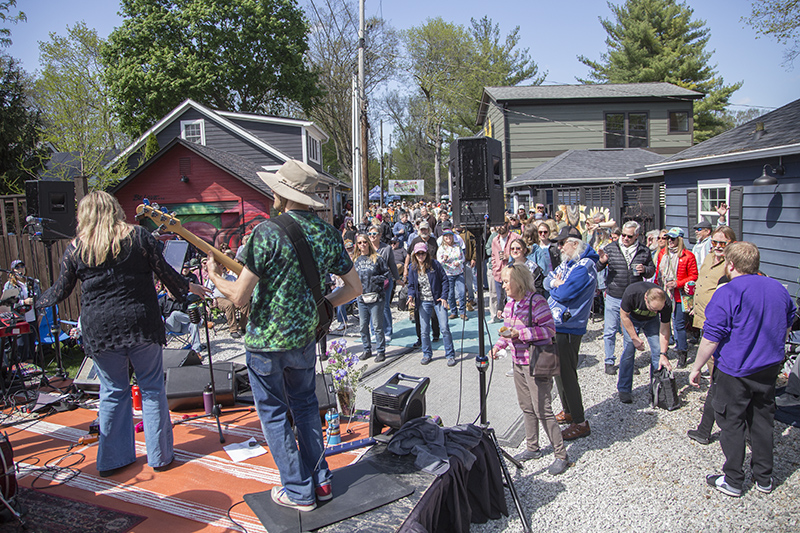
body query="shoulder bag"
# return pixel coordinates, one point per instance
(310, 272)
(544, 361)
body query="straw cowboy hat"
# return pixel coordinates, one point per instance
(294, 181)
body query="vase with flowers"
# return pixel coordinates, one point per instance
(341, 365)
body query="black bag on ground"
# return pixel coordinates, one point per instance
(663, 390)
(402, 298)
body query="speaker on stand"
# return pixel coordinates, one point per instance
(476, 175)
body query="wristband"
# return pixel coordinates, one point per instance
(663, 353)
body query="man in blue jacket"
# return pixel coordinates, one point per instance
(572, 286)
(747, 322)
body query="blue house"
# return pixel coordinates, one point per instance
(755, 169)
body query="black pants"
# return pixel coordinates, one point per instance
(434, 325)
(707, 421)
(741, 405)
(568, 388)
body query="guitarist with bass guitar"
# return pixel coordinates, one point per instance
(282, 331)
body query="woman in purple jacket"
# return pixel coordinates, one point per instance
(527, 319)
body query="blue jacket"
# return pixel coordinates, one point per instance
(576, 294)
(440, 285)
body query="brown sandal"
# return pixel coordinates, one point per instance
(576, 431)
(563, 417)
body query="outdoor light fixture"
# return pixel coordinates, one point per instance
(766, 179)
(185, 179)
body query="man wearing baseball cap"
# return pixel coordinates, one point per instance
(702, 231)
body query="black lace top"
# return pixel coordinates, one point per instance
(119, 306)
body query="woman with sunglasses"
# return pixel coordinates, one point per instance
(676, 266)
(537, 237)
(451, 256)
(428, 287)
(711, 276)
(373, 272)
(520, 256)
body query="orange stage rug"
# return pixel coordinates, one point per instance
(194, 494)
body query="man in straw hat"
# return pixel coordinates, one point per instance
(280, 337)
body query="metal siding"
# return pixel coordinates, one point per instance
(287, 139)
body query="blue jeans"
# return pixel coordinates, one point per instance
(611, 326)
(650, 329)
(341, 314)
(469, 281)
(371, 314)
(425, 312)
(282, 381)
(387, 310)
(116, 447)
(456, 293)
(679, 328)
(178, 322)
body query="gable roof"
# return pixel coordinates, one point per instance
(233, 164)
(608, 165)
(306, 124)
(216, 116)
(585, 93)
(780, 135)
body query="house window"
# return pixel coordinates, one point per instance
(710, 195)
(314, 152)
(626, 130)
(678, 121)
(194, 131)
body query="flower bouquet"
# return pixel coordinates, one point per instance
(342, 367)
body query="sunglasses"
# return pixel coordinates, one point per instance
(662, 238)
(544, 233)
(673, 238)
(719, 244)
(362, 242)
(625, 235)
(420, 253)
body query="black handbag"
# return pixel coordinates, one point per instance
(544, 361)
(310, 272)
(663, 390)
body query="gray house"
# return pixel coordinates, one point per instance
(755, 169)
(538, 123)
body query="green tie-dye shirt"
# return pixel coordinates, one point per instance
(283, 315)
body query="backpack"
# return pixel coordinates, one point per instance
(663, 390)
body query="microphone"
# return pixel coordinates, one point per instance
(194, 309)
(33, 220)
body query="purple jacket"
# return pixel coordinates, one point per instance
(748, 317)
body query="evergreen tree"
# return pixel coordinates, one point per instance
(657, 40)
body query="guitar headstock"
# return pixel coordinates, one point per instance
(158, 215)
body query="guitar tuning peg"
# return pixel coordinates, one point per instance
(156, 206)
(145, 201)
(173, 214)
(164, 210)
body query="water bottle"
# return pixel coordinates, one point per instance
(208, 399)
(333, 432)
(136, 394)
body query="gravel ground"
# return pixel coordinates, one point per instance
(637, 470)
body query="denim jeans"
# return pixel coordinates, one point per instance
(341, 314)
(611, 324)
(650, 328)
(116, 447)
(178, 322)
(501, 295)
(427, 309)
(387, 310)
(371, 314)
(679, 328)
(457, 294)
(469, 282)
(282, 381)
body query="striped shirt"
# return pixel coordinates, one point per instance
(515, 315)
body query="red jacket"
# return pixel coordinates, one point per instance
(687, 270)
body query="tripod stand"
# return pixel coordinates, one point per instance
(482, 363)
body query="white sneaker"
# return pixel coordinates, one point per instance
(338, 327)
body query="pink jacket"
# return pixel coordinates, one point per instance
(542, 330)
(497, 264)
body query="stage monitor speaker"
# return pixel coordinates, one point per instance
(54, 200)
(476, 175)
(173, 358)
(326, 395)
(87, 379)
(185, 385)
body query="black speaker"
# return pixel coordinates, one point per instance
(173, 358)
(476, 174)
(326, 396)
(54, 200)
(185, 385)
(87, 379)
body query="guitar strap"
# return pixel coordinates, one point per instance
(307, 264)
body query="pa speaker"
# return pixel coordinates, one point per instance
(185, 385)
(476, 175)
(87, 379)
(54, 200)
(173, 358)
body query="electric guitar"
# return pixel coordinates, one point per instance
(169, 222)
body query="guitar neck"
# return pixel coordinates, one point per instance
(203, 246)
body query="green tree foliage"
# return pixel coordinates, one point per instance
(657, 40)
(5, 33)
(19, 127)
(333, 54)
(151, 147)
(779, 19)
(450, 64)
(412, 154)
(76, 108)
(234, 55)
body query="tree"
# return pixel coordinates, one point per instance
(412, 154)
(657, 40)
(233, 55)
(779, 19)
(19, 126)
(5, 33)
(76, 108)
(333, 53)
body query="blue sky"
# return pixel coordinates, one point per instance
(555, 33)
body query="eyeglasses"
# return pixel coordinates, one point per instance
(545, 232)
(362, 242)
(626, 236)
(673, 238)
(372, 233)
(420, 253)
(719, 244)
(662, 238)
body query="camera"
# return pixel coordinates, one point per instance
(566, 315)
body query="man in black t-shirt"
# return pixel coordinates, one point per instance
(644, 308)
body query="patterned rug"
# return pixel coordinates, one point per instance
(48, 513)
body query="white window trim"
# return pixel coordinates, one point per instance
(201, 122)
(711, 184)
(314, 143)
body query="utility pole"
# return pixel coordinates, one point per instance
(355, 135)
(381, 178)
(362, 94)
